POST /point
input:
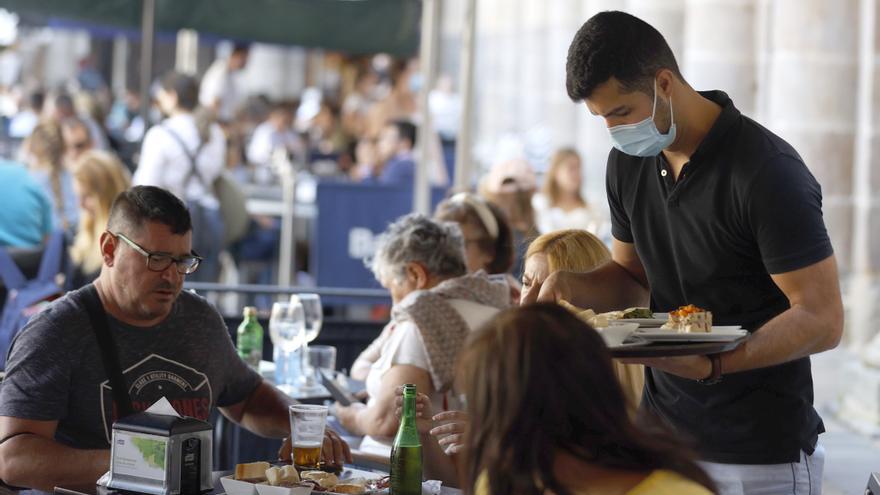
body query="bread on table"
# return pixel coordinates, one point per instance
(326, 480)
(283, 475)
(252, 471)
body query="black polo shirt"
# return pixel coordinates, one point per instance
(744, 207)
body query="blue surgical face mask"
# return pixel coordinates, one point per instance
(643, 138)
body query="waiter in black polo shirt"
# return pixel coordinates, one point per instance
(710, 208)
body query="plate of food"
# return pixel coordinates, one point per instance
(642, 316)
(690, 324)
(262, 478)
(655, 320)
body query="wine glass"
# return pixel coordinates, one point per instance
(314, 317)
(287, 326)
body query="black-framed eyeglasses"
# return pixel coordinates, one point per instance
(157, 262)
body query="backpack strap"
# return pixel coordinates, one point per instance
(193, 169)
(109, 357)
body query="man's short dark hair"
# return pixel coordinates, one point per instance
(184, 86)
(141, 204)
(619, 45)
(36, 100)
(406, 130)
(241, 47)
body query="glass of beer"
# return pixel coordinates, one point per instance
(307, 434)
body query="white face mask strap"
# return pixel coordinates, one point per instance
(654, 105)
(654, 109)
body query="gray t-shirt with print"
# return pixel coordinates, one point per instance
(54, 369)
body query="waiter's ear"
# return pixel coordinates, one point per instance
(665, 82)
(108, 247)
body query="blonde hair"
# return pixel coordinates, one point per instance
(580, 251)
(46, 146)
(101, 174)
(570, 250)
(551, 187)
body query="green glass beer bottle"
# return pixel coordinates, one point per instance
(406, 452)
(250, 338)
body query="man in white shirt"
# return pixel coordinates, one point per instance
(276, 132)
(218, 90)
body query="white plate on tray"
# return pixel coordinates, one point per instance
(718, 334)
(658, 320)
(642, 322)
(615, 333)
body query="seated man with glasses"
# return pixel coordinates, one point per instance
(56, 403)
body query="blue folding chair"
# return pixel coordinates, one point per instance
(23, 294)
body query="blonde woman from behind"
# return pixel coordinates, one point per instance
(98, 177)
(577, 251)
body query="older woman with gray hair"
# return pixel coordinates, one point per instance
(436, 304)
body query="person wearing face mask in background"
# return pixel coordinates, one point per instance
(712, 209)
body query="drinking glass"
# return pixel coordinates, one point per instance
(313, 319)
(287, 327)
(307, 434)
(322, 358)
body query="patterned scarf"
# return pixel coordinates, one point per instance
(442, 329)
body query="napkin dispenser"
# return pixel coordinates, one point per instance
(161, 454)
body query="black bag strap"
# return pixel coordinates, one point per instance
(98, 318)
(193, 168)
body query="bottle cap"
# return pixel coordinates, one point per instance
(250, 311)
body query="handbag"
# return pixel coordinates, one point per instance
(233, 202)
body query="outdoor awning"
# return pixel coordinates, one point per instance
(351, 26)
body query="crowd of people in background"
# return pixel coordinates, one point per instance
(200, 130)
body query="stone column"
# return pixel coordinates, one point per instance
(860, 402)
(810, 102)
(719, 49)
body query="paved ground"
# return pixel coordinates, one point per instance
(850, 456)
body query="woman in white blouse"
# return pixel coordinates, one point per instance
(560, 204)
(436, 305)
(185, 154)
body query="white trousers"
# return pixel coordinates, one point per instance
(792, 478)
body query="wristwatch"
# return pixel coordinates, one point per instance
(715, 376)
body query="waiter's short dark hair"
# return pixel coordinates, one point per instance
(141, 204)
(619, 45)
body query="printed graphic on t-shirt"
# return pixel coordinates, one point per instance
(154, 377)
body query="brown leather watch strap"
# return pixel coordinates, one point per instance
(715, 376)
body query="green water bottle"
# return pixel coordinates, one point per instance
(406, 451)
(250, 338)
